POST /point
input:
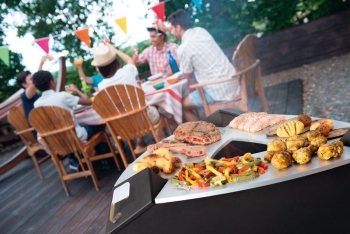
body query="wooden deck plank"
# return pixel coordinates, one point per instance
(88, 213)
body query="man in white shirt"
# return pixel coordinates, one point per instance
(200, 54)
(43, 81)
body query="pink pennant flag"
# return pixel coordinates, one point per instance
(159, 10)
(43, 43)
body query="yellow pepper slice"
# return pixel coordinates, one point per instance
(227, 175)
(212, 169)
(188, 179)
(195, 174)
(233, 162)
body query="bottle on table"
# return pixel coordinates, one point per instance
(86, 88)
(172, 63)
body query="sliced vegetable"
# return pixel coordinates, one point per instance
(249, 175)
(218, 180)
(247, 158)
(236, 158)
(181, 175)
(227, 174)
(200, 167)
(175, 181)
(202, 184)
(243, 169)
(261, 170)
(264, 165)
(256, 161)
(188, 179)
(208, 175)
(211, 168)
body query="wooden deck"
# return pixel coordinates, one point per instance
(31, 205)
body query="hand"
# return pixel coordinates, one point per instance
(44, 58)
(160, 25)
(135, 57)
(73, 87)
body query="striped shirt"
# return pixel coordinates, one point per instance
(158, 59)
(200, 54)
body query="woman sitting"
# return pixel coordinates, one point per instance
(110, 68)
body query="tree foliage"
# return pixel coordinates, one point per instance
(227, 20)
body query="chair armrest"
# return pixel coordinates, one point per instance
(57, 131)
(24, 131)
(200, 85)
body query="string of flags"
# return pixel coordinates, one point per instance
(83, 34)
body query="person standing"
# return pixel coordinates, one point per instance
(199, 53)
(157, 54)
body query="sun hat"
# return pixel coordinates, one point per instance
(103, 56)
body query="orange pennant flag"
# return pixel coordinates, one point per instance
(83, 35)
(122, 23)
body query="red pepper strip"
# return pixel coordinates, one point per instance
(181, 176)
(243, 169)
(234, 169)
(221, 169)
(208, 175)
(201, 184)
(261, 170)
(200, 167)
(263, 165)
(236, 158)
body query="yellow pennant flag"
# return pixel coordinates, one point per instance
(122, 23)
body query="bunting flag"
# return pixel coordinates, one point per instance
(159, 10)
(43, 43)
(5, 55)
(122, 23)
(198, 4)
(83, 35)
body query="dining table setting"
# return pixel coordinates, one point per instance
(168, 96)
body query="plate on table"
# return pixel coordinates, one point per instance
(154, 77)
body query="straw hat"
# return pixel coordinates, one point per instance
(103, 56)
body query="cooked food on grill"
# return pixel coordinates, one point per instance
(268, 155)
(302, 155)
(254, 122)
(161, 159)
(290, 128)
(139, 166)
(305, 119)
(281, 160)
(150, 159)
(277, 145)
(296, 142)
(166, 165)
(330, 150)
(180, 148)
(198, 133)
(316, 139)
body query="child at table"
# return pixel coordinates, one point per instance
(109, 66)
(43, 81)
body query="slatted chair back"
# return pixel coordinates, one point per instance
(247, 68)
(123, 109)
(244, 56)
(56, 127)
(17, 119)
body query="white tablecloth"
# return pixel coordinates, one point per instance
(169, 98)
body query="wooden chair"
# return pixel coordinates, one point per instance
(56, 128)
(123, 109)
(248, 71)
(17, 119)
